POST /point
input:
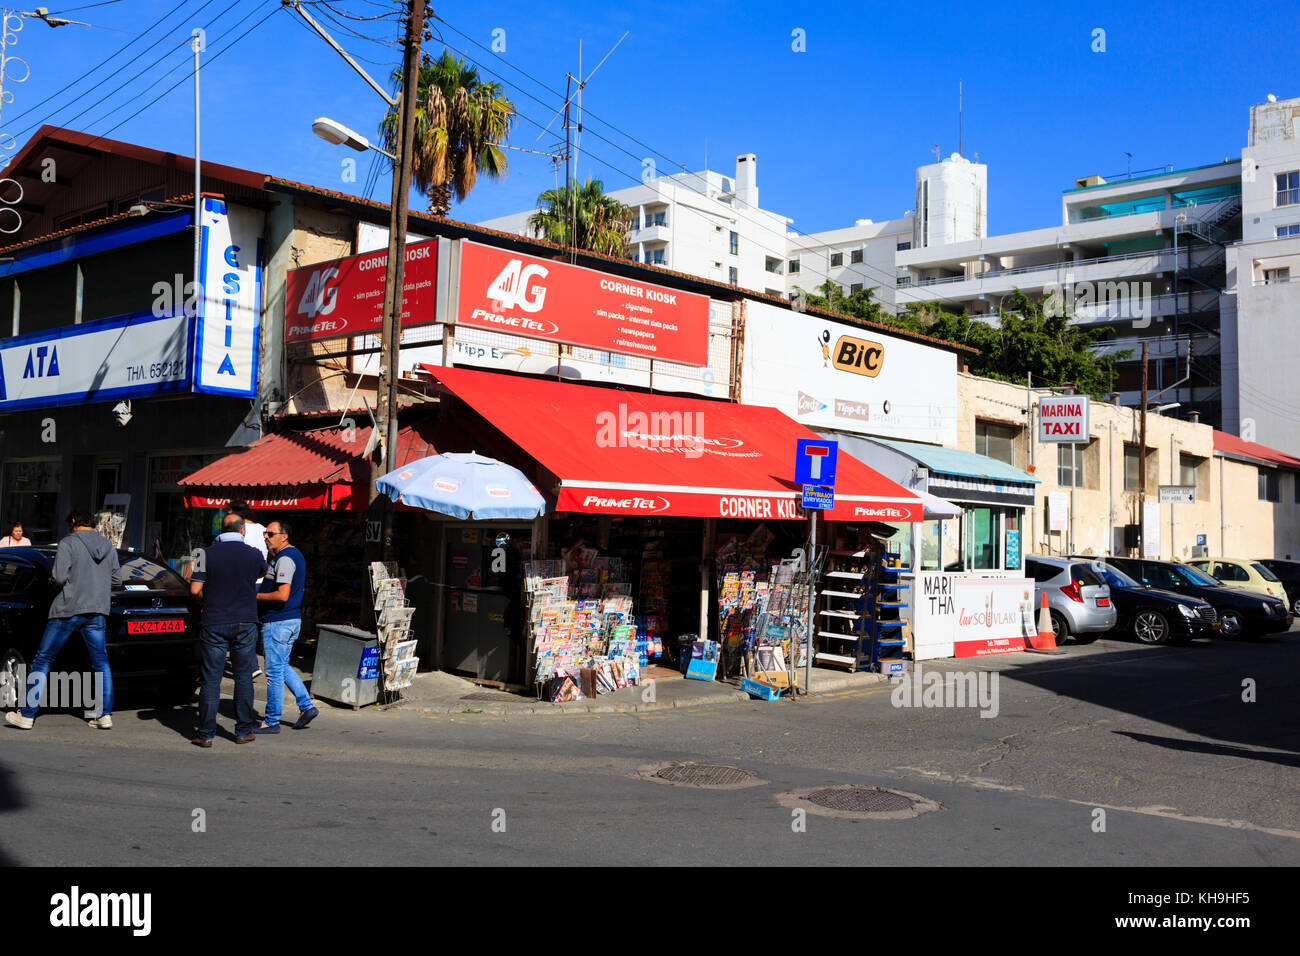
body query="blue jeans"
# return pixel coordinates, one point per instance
(277, 643)
(240, 642)
(57, 632)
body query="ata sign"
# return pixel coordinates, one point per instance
(1063, 419)
(514, 294)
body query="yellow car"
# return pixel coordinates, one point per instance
(1242, 573)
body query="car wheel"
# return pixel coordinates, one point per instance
(1230, 624)
(1295, 607)
(1151, 627)
(1060, 629)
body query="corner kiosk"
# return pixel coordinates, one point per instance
(652, 495)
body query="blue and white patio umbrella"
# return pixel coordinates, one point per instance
(464, 486)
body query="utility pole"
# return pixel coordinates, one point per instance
(570, 217)
(1142, 460)
(390, 345)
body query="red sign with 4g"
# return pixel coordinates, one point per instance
(515, 294)
(345, 297)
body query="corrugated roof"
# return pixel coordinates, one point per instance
(963, 464)
(1233, 447)
(293, 459)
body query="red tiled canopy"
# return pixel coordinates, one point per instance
(291, 470)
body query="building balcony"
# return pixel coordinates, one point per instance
(651, 233)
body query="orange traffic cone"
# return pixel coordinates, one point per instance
(1045, 640)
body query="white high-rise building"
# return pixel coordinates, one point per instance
(711, 225)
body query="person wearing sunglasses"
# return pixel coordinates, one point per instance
(280, 601)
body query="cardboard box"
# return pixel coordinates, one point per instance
(589, 682)
(759, 689)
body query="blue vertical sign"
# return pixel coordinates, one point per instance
(1012, 550)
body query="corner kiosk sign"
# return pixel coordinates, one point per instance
(514, 294)
(1063, 418)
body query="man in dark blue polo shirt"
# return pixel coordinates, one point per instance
(225, 576)
(280, 598)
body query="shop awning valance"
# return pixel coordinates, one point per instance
(634, 453)
(322, 469)
(958, 475)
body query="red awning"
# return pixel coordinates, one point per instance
(321, 469)
(634, 453)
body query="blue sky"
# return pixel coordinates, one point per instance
(837, 128)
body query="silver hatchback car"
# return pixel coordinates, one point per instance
(1078, 599)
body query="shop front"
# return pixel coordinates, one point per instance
(967, 595)
(673, 522)
(318, 482)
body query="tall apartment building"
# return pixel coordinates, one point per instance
(1202, 264)
(711, 225)
(1195, 262)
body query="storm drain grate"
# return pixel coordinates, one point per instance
(499, 698)
(861, 799)
(853, 802)
(706, 776)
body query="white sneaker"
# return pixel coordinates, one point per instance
(16, 719)
(257, 673)
(101, 723)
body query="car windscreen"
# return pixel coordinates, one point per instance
(1192, 576)
(1265, 573)
(1114, 576)
(138, 571)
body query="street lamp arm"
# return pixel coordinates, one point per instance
(391, 101)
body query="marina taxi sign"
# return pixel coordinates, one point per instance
(1063, 418)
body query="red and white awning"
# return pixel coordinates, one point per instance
(634, 453)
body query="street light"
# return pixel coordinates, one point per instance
(336, 134)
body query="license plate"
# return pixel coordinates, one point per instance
(1103, 602)
(176, 626)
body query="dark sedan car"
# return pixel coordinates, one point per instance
(1152, 615)
(1241, 612)
(152, 634)
(1288, 572)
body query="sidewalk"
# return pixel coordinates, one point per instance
(441, 693)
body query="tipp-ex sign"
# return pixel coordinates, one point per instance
(1063, 419)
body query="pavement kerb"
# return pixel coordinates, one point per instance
(477, 708)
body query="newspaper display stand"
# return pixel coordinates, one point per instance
(398, 662)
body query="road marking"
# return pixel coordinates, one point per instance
(1170, 813)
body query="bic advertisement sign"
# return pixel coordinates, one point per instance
(515, 294)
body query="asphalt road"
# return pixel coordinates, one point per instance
(1155, 744)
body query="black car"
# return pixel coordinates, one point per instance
(1240, 611)
(153, 625)
(1288, 572)
(1152, 615)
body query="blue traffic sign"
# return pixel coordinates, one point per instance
(814, 461)
(820, 497)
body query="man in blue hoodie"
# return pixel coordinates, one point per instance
(86, 572)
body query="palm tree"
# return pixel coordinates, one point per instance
(460, 125)
(591, 220)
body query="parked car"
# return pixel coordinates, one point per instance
(153, 625)
(1241, 612)
(1153, 615)
(1288, 572)
(1079, 601)
(1242, 573)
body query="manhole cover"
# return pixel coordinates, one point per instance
(860, 799)
(851, 802)
(706, 776)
